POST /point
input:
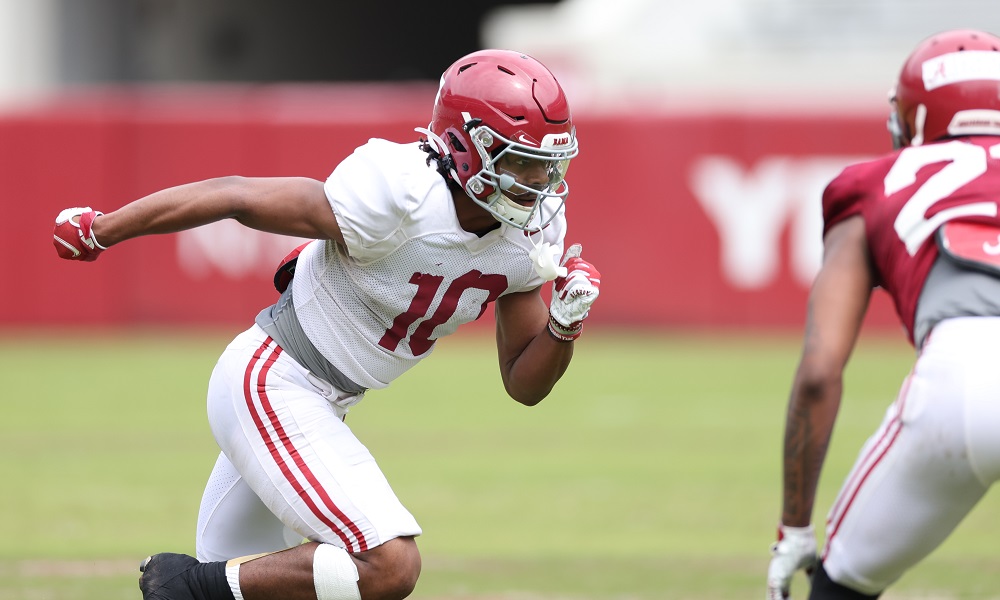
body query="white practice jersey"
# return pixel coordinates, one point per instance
(409, 274)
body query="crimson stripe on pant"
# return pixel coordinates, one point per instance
(261, 392)
(885, 442)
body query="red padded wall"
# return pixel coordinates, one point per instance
(640, 203)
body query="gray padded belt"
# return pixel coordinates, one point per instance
(280, 322)
(952, 290)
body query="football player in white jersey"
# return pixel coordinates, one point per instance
(922, 223)
(411, 241)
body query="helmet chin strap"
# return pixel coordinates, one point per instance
(439, 145)
(434, 138)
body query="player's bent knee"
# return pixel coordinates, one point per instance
(390, 571)
(409, 563)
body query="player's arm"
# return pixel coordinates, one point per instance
(837, 305)
(531, 360)
(295, 206)
(535, 341)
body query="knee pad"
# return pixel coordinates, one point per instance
(334, 574)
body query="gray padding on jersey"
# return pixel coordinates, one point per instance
(281, 323)
(951, 290)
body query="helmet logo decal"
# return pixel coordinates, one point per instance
(557, 140)
(955, 67)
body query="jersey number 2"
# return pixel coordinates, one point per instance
(966, 163)
(427, 287)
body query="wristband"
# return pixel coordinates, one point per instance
(564, 334)
(88, 227)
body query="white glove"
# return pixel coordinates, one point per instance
(794, 550)
(572, 295)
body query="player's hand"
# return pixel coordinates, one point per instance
(572, 295)
(286, 269)
(794, 550)
(74, 235)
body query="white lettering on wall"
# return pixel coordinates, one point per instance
(231, 249)
(751, 208)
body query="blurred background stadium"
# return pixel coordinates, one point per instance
(708, 130)
(714, 124)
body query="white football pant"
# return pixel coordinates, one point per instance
(934, 456)
(290, 468)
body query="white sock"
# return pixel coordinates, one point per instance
(233, 577)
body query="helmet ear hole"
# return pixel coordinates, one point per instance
(459, 150)
(456, 143)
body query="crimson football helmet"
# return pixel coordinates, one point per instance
(949, 86)
(499, 104)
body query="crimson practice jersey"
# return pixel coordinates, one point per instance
(409, 274)
(904, 197)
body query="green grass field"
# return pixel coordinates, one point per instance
(652, 472)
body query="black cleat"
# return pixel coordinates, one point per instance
(169, 576)
(166, 576)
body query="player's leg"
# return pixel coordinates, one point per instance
(388, 571)
(310, 571)
(284, 433)
(234, 522)
(982, 382)
(913, 482)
